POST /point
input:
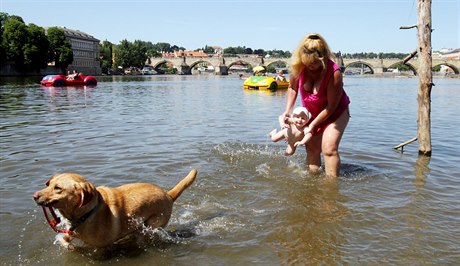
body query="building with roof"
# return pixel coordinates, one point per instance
(182, 53)
(85, 52)
(453, 54)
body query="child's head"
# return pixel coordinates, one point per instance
(301, 113)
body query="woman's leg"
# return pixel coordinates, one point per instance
(330, 144)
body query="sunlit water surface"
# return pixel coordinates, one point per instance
(250, 205)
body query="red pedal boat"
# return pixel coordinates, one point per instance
(69, 80)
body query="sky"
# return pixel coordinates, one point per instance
(349, 26)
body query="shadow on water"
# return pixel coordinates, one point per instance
(421, 170)
(20, 82)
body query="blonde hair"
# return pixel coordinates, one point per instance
(312, 48)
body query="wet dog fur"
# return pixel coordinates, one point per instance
(101, 217)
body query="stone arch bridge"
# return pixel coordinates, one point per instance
(221, 65)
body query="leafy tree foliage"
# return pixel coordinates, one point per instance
(28, 47)
(135, 54)
(105, 52)
(232, 51)
(208, 50)
(151, 50)
(140, 53)
(162, 47)
(36, 48)
(3, 17)
(14, 38)
(124, 53)
(60, 48)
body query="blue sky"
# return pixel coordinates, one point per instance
(348, 26)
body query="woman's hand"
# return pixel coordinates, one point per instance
(285, 120)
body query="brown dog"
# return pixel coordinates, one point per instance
(101, 216)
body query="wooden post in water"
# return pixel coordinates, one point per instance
(425, 77)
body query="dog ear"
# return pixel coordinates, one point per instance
(87, 193)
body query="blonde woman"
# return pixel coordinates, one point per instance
(317, 78)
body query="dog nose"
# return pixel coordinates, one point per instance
(36, 195)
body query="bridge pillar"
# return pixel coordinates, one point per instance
(221, 70)
(379, 68)
(184, 70)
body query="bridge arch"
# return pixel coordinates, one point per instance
(200, 62)
(411, 67)
(362, 63)
(157, 65)
(162, 62)
(455, 69)
(278, 62)
(240, 62)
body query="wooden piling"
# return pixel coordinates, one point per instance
(425, 76)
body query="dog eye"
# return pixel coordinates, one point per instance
(57, 188)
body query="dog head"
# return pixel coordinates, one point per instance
(66, 192)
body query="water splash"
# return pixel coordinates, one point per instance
(33, 216)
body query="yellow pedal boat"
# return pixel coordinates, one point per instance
(264, 83)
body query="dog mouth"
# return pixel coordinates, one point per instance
(46, 203)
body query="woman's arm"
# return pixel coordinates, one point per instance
(291, 97)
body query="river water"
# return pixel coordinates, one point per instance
(250, 205)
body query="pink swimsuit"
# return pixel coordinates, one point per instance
(315, 103)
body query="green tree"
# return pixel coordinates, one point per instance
(36, 48)
(105, 51)
(123, 54)
(436, 68)
(60, 51)
(139, 53)
(3, 17)
(162, 47)
(230, 51)
(14, 39)
(23, 45)
(259, 52)
(208, 50)
(135, 54)
(151, 50)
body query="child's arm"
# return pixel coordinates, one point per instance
(307, 136)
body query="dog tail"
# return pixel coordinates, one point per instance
(182, 185)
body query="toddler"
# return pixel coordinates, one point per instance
(294, 130)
